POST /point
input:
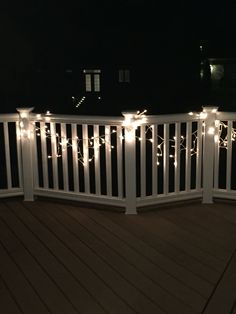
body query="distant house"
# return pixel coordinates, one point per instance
(223, 73)
(223, 82)
(218, 74)
(117, 71)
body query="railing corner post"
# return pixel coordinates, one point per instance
(26, 152)
(130, 164)
(209, 116)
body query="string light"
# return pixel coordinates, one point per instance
(94, 143)
(78, 101)
(63, 143)
(223, 135)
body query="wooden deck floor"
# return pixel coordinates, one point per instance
(64, 259)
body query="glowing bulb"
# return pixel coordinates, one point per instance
(129, 137)
(203, 115)
(24, 115)
(216, 138)
(217, 123)
(211, 131)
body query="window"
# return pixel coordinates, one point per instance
(92, 80)
(217, 71)
(124, 76)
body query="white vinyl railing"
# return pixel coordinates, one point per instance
(10, 156)
(170, 159)
(131, 162)
(78, 158)
(225, 154)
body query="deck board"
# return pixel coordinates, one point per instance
(166, 248)
(195, 230)
(44, 287)
(222, 302)
(28, 300)
(7, 302)
(160, 260)
(106, 274)
(138, 270)
(59, 257)
(73, 265)
(176, 237)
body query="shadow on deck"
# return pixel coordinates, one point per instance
(63, 258)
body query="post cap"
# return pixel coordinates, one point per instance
(25, 109)
(212, 109)
(130, 113)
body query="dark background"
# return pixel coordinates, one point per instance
(45, 45)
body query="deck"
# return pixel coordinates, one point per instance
(62, 258)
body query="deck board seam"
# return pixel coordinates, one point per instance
(166, 256)
(185, 250)
(150, 299)
(169, 243)
(81, 261)
(219, 281)
(22, 272)
(194, 235)
(233, 307)
(145, 257)
(205, 237)
(58, 261)
(11, 294)
(218, 235)
(131, 264)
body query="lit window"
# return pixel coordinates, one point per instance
(217, 71)
(88, 86)
(92, 80)
(97, 82)
(124, 76)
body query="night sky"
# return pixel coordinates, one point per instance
(42, 35)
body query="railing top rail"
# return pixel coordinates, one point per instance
(106, 120)
(9, 117)
(171, 118)
(109, 120)
(58, 118)
(226, 115)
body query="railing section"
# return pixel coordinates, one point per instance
(104, 160)
(10, 156)
(169, 159)
(225, 155)
(79, 159)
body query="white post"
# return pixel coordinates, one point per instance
(209, 115)
(130, 163)
(26, 151)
